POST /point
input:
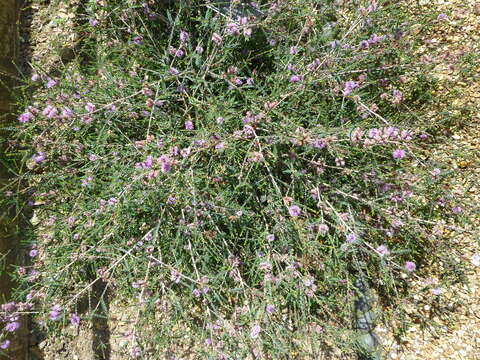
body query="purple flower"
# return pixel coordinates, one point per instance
(93, 22)
(351, 238)
(9, 307)
(250, 82)
(255, 331)
(89, 107)
(35, 77)
(196, 292)
(55, 312)
(4, 345)
(189, 125)
(457, 210)
(293, 50)
(175, 276)
(383, 250)
(398, 154)
(138, 40)
(442, 17)
(50, 112)
(364, 44)
(185, 152)
(269, 308)
(318, 143)
(12, 326)
(270, 237)
(174, 71)
(25, 117)
(410, 266)
(348, 87)
(51, 83)
(184, 36)
(165, 163)
(232, 29)
(92, 157)
(39, 157)
(74, 319)
(323, 229)
(148, 162)
(436, 291)
(294, 210)
(33, 253)
(67, 113)
(199, 49)
(295, 78)
(179, 53)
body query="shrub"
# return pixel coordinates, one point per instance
(235, 176)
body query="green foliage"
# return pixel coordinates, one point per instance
(197, 220)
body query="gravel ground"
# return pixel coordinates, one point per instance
(456, 336)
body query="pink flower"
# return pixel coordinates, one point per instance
(410, 266)
(323, 229)
(89, 107)
(383, 250)
(217, 39)
(294, 210)
(232, 29)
